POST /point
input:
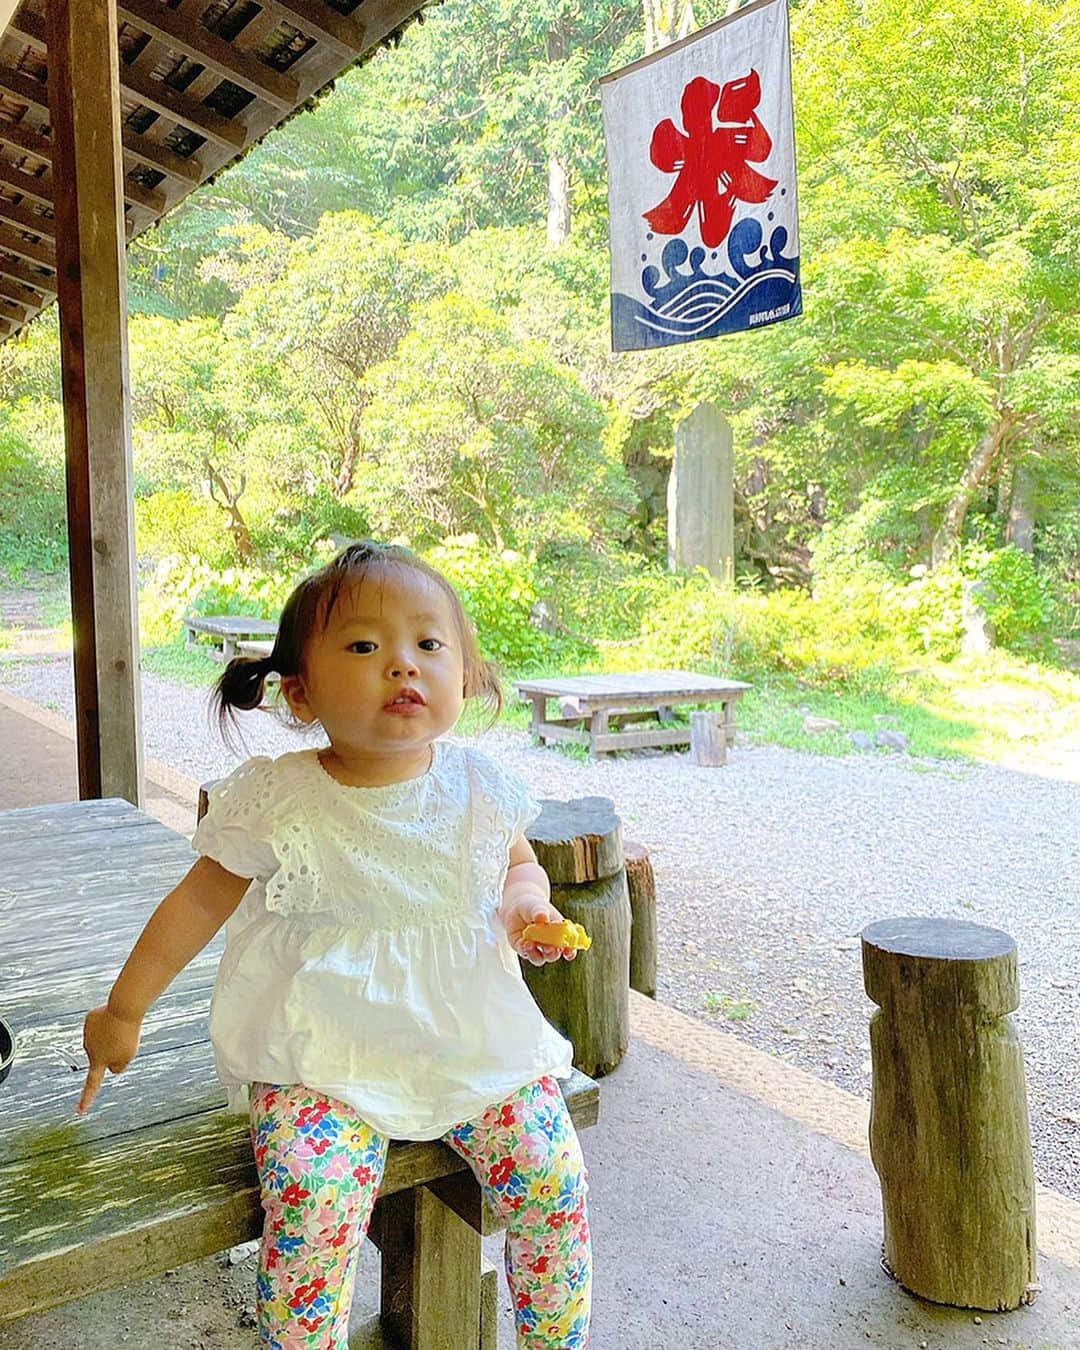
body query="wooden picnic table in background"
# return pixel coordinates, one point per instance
(158, 1173)
(592, 703)
(229, 634)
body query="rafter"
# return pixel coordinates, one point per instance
(219, 56)
(149, 199)
(29, 276)
(318, 20)
(25, 138)
(158, 96)
(27, 183)
(24, 88)
(12, 241)
(15, 213)
(19, 294)
(146, 151)
(154, 94)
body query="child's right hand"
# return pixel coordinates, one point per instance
(110, 1043)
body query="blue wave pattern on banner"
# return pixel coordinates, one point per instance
(697, 304)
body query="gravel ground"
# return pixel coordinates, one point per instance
(767, 870)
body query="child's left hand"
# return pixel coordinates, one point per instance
(533, 952)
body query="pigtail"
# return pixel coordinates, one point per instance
(240, 686)
(482, 682)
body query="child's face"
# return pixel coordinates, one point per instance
(393, 632)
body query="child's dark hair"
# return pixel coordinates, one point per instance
(311, 606)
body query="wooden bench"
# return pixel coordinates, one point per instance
(158, 1174)
(226, 633)
(593, 703)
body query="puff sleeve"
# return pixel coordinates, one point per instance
(235, 831)
(502, 809)
(520, 807)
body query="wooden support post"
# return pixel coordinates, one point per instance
(642, 887)
(84, 98)
(949, 1123)
(598, 726)
(579, 846)
(708, 743)
(430, 1272)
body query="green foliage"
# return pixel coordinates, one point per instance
(33, 519)
(702, 624)
(178, 588)
(1018, 600)
(499, 592)
(471, 430)
(176, 524)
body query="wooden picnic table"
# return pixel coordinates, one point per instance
(158, 1173)
(591, 704)
(227, 632)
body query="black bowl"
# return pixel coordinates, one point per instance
(7, 1049)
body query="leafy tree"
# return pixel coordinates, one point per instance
(473, 431)
(339, 303)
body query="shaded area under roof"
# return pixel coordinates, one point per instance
(200, 84)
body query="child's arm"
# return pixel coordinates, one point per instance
(177, 931)
(526, 900)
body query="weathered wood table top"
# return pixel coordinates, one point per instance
(652, 687)
(157, 1173)
(230, 625)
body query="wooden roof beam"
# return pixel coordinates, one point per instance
(213, 52)
(21, 216)
(24, 138)
(160, 98)
(11, 310)
(149, 199)
(12, 241)
(153, 94)
(315, 18)
(19, 294)
(24, 88)
(29, 276)
(28, 184)
(159, 157)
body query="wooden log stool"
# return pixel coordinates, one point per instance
(641, 885)
(949, 1132)
(579, 845)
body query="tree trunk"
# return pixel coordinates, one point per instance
(558, 210)
(228, 502)
(1020, 529)
(558, 216)
(973, 477)
(666, 21)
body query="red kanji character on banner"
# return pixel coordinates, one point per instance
(711, 161)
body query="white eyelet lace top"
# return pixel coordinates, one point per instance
(366, 959)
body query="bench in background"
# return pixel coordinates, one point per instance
(229, 634)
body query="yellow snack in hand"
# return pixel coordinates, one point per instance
(565, 934)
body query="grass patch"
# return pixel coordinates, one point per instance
(998, 708)
(733, 1009)
(56, 609)
(181, 665)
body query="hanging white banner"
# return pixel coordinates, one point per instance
(701, 184)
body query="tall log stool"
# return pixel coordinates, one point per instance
(579, 845)
(949, 1129)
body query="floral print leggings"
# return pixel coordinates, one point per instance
(320, 1166)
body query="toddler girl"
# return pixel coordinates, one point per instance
(375, 892)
